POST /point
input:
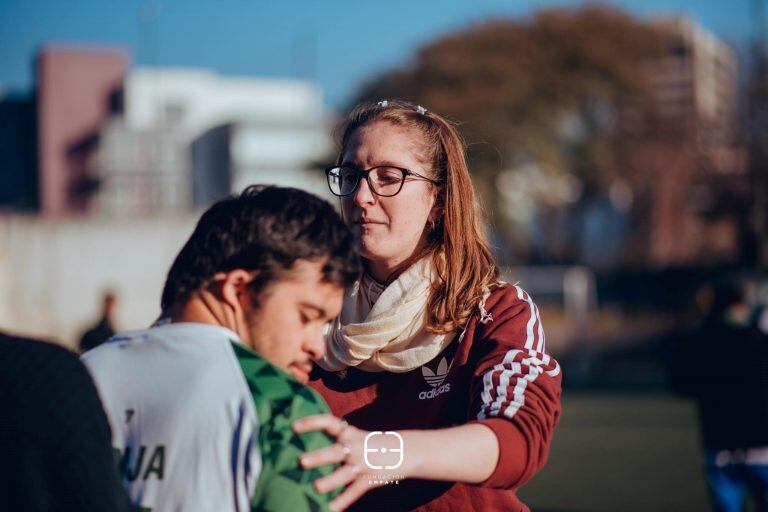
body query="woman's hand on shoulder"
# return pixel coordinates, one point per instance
(347, 451)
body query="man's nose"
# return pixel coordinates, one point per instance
(315, 346)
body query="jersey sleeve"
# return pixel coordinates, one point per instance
(515, 387)
(283, 484)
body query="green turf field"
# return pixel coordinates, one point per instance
(621, 452)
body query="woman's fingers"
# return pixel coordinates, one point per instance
(346, 450)
(339, 478)
(328, 455)
(350, 495)
(327, 422)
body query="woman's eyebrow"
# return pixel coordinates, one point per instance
(379, 163)
(389, 163)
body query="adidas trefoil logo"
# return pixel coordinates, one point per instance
(435, 379)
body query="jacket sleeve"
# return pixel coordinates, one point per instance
(516, 387)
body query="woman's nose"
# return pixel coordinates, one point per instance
(363, 194)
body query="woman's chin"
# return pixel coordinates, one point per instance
(368, 249)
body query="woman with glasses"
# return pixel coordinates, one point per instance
(443, 394)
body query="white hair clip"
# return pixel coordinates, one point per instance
(421, 110)
(383, 103)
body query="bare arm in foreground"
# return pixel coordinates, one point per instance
(468, 453)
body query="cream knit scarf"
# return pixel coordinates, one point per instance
(384, 329)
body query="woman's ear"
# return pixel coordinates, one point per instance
(438, 207)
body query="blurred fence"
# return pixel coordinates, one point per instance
(615, 329)
(53, 272)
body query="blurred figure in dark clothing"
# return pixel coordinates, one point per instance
(103, 330)
(55, 441)
(723, 365)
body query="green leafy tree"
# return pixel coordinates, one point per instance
(538, 100)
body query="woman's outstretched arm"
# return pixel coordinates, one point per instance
(467, 453)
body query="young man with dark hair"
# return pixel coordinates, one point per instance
(201, 403)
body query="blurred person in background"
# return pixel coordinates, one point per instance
(54, 436)
(201, 403)
(103, 329)
(430, 347)
(723, 365)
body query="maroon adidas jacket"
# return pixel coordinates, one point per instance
(496, 372)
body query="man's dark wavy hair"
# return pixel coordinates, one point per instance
(265, 229)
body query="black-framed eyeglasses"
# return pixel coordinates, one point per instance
(383, 180)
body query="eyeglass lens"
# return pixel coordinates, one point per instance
(385, 181)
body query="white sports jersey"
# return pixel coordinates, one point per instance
(182, 417)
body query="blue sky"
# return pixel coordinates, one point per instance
(339, 43)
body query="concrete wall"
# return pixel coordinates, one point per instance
(53, 271)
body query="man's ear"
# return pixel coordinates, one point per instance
(234, 287)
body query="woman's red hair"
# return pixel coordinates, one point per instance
(465, 268)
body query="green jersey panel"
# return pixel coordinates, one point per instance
(280, 400)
